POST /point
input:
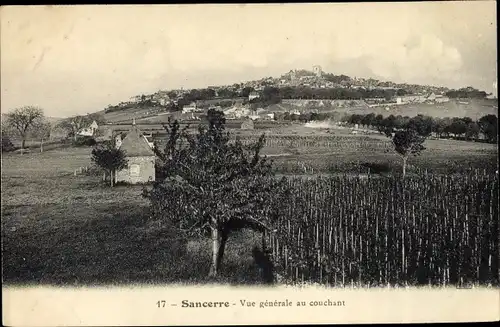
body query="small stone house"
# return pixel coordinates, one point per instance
(140, 157)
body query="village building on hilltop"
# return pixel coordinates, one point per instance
(253, 95)
(140, 157)
(237, 111)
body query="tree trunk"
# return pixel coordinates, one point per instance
(23, 143)
(215, 252)
(111, 178)
(224, 235)
(41, 145)
(264, 245)
(404, 166)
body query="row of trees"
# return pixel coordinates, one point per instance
(466, 93)
(426, 125)
(304, 92)
(442, 127)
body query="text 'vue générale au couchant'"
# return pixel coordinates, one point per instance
(262, 304)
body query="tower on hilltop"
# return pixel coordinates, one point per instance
(317, 70)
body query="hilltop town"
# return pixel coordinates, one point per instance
(298, 92)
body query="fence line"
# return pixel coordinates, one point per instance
(81, 170)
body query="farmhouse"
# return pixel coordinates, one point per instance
(140, 157)
(189, 108)
(89, 131)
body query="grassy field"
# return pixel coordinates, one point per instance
(63, 229)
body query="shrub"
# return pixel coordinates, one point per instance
(7, 145)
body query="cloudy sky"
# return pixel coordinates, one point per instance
(79, 59)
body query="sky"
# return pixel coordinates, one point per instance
(78, 59)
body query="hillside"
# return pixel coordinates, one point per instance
(310, 91)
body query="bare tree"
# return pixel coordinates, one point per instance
(74, 124)
(41, 131)
(22, 119)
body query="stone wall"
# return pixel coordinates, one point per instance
(139, 170)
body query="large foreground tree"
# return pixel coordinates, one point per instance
(208, 182)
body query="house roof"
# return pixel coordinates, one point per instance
(135, 145)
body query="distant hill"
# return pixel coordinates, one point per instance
(305, 84)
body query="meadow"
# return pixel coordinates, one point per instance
(58, 228)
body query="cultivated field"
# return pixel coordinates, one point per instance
(296, 149)
(424, 230)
